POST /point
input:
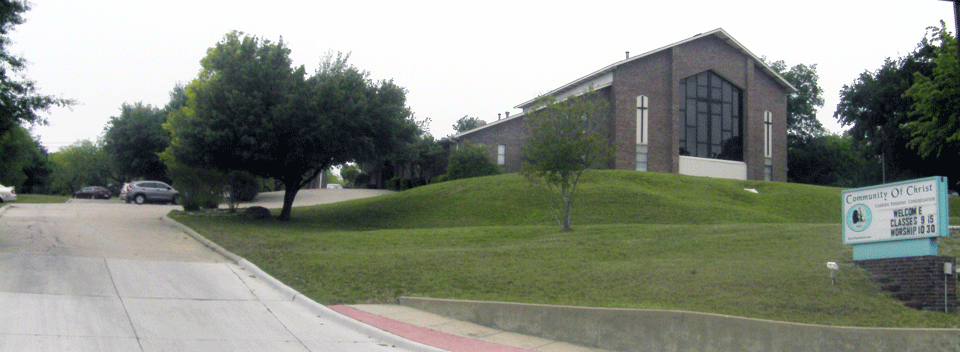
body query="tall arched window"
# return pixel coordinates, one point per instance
(711, 117)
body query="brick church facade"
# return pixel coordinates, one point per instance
(705, 106)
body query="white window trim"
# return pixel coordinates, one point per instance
(767, 134)
(642, 119)
(501, 154)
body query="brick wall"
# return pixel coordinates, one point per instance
(918, 281)
(508, 132)
(657, 76)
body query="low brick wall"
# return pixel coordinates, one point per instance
(656, 330)
(918, 281)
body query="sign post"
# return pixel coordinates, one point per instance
(894, 220)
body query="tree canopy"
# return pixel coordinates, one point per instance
(802, 122)
(886, 121)
(935, 131)
(876, 109)
(20, 100)
(134, 138)
(466, 123)
(80, 164)
(250, 110)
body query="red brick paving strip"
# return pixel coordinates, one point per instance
(424, 335)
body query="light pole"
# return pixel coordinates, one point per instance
(956, 20)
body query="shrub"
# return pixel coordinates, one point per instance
(471, 161)
(394, 184)
(245, 186)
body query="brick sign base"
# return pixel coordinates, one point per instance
(917, 281)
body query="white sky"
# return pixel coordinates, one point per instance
(455, 59)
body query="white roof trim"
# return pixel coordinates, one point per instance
(579, 84)
(494, 123)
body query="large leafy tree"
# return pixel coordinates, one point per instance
(564, 140)
(134, 138)
(803, 128)
(878, 110)
(935, 130)
(802, 123)
(80, 164)
(16, 146)
(19, 99)
(38, 170)
(250, 110)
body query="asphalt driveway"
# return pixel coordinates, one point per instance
(108, 276)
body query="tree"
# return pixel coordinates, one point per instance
(16, 145)
(80, 164)
(349, 174)
(802, 122)
(830, 160)
(935, 131)
(134, 139)
(250, 110)
(564, 140)
(471, 161)
(803, 127)
(466, 123)
(19, 100)
(877, 109)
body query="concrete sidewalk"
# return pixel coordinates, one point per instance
(403, 322)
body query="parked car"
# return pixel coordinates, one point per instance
(123, 192)
(334, 186)
(92, 192)
(140, 192)
(7, 194)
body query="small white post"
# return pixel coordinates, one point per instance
(833, 269)
(947, 271)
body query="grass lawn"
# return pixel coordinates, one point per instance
(640, 240)
(39, 198)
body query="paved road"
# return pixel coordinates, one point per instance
(108, 276)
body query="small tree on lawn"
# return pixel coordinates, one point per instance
(565, 139)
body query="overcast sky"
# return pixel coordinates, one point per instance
(455, 59)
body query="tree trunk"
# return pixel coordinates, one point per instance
(291, 186)
(566, 200)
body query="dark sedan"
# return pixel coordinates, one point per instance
(92, 192)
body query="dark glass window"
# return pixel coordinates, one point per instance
(710, 117)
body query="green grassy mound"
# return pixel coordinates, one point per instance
(640, 240)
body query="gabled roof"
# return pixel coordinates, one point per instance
(719, 33)
(494, 123)
(603, 77)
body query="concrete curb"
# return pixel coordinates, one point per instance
(310, 305)
(618, 329)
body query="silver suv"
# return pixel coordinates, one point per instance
(149, 191)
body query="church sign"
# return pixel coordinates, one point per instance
(900, 219)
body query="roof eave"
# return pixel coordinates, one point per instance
(719, 33)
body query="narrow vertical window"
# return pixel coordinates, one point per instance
(501, 154)
(643, 127)
(642, 120)
(767, 134)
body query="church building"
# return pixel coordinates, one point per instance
(704, 106)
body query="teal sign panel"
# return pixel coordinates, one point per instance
(901, 219)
